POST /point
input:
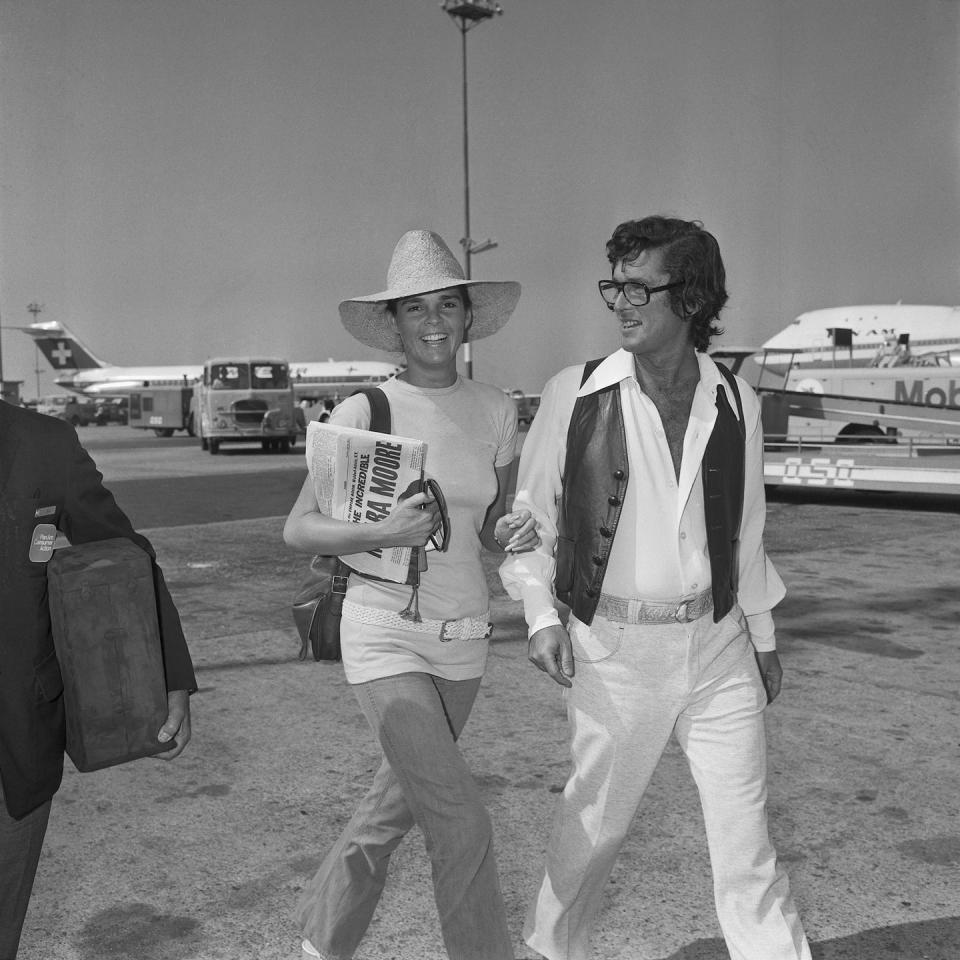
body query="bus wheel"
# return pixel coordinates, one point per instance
(163, 431)
(214, 446)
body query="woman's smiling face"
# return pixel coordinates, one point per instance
(432, 327)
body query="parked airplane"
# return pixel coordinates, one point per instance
(81, 371)
(890, 353)
(857, 336)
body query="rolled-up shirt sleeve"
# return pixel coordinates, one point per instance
(760, 587)
(529, 576)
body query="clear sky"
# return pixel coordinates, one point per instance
(187, 177)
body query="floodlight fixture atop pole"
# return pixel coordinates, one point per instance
(467, 14)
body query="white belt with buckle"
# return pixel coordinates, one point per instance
(684, 610)
(466, 628)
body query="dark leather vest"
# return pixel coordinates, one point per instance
(595, 477)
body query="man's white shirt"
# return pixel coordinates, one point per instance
(660, 548)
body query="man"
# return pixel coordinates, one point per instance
(645, 475)
(47, 477)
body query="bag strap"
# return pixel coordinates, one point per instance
(380, 419)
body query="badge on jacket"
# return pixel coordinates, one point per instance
(42, 542)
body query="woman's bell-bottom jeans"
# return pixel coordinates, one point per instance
(423, 780)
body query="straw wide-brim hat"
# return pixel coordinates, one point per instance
(422, 262)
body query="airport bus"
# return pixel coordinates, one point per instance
(244, 399)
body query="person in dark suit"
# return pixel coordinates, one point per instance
(47, 477)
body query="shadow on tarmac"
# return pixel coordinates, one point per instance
(139, 930)
(924, 940)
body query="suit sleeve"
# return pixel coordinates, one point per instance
(91, 513)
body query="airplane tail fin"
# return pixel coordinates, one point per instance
(61, 348)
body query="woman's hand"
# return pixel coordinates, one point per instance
(517, 532)
(411, 522)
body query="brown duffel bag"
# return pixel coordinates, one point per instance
(103, 610)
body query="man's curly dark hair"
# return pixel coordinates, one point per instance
(690, 254)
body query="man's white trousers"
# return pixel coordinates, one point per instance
(634, 686)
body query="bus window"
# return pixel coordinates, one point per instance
(230, 376)
(270, 376)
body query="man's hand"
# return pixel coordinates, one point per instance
(177, 724)
(770, 672)
(550, 650)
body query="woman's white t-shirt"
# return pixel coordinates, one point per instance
(470, 429)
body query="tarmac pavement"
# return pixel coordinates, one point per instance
(203, 858)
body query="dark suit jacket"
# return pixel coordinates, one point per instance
(43, 465)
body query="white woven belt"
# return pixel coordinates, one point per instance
(655, 611)
(467, 628)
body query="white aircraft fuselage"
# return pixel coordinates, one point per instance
(78, 370)
(812, 341)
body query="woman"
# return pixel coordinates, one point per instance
(416, 681)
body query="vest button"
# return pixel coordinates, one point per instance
(617, 474)
(597, 560)
(613, 501)
(606, 532)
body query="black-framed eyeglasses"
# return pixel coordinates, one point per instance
(635, 291)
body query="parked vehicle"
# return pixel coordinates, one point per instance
(245, 399)
(162, 410)
(527, 405)
(112, 410)
(74, 410)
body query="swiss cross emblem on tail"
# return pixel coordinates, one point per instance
(60, 354)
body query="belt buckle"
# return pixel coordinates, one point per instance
(680, 614)
(444, 636)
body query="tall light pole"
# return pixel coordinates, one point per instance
(35, 309)
(467, 14)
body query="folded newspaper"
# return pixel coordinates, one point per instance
(360, 476)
